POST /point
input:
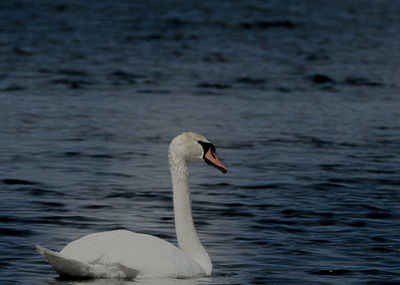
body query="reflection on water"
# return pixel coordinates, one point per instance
(164, 281)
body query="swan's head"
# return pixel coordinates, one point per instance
(194, 147)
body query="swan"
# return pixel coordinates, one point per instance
(126, 254)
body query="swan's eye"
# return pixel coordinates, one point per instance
(206, 146)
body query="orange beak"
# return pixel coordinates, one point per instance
(211, 159)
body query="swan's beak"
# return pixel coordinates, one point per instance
(211, 159)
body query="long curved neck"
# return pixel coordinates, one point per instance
(186, 234)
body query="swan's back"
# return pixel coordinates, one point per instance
(151, 256)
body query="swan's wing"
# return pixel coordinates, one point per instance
(149, 255)
(67, 266)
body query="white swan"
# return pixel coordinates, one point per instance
(125, 254)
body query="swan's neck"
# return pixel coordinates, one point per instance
(188, 239)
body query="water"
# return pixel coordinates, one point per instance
(299, 97)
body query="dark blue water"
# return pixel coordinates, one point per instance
(301, 99)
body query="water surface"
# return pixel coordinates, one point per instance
(300, 99)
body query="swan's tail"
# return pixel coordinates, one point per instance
(67, 266)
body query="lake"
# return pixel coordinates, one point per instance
(300, 98)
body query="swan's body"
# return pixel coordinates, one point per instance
(122, 254)
(125, 254)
